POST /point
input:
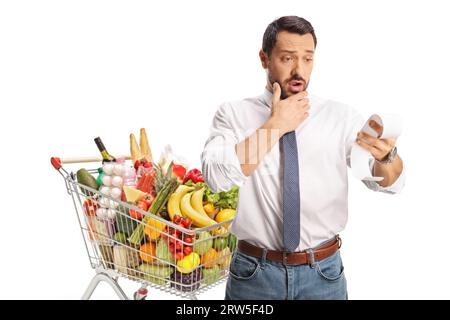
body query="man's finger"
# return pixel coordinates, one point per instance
(276, 93)
(374, 151)
(376, 126)
(390, 142)
(367, 138)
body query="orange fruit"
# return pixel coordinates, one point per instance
(225, 214)
(208, 258)
(147, 251)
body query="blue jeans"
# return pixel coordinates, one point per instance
(253, 278)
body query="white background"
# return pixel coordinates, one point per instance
(74, 70)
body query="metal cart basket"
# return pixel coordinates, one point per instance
(151, 263)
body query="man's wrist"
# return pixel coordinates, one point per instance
(389, 158)
(274, 125)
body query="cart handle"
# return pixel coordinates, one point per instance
(58, 162)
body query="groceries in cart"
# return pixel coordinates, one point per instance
(156, 222)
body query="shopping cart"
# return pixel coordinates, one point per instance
(151, 262)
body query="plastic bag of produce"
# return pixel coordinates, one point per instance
(167, 157)
(186, 282)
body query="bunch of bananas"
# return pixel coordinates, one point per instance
(188, 202)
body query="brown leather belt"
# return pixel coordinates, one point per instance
(292, 258)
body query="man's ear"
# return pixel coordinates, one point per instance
(264, 59)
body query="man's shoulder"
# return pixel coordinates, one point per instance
(237, 105)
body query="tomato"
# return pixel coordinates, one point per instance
(179, 256)
(187, 250)
(148, 199)
(177, 219)
(186, 223)
(136, 214)
(90, 207)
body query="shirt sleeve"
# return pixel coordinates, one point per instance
(220, 164)
(355, 123)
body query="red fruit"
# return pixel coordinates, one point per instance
(188, 240)
(194, 172)
(148, 199)
(178, 232)
(172, 248)
(137, 163)
(187, 223)
(187, 250)
(178, 245)
(179, 256)
(177, 219)
(147, 164)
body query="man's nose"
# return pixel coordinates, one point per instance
(297, 69)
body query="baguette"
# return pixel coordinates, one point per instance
(134, 149)
(145, 148)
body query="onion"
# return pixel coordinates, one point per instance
(117, 181)
(111, 214)
(105, 190)
(108, 168)
(102, 213)
(113, 204)
(116, 193)
(118, 169)
(106, 180)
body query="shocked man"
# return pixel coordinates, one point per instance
(289, 152)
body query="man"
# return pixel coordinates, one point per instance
(289, 151)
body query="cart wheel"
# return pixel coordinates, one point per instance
(141, 294)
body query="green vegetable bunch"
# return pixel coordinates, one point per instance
(221, 200)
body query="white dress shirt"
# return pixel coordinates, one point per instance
(324, 142)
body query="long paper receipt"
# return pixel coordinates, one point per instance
(360, 158)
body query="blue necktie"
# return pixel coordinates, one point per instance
(291, 192)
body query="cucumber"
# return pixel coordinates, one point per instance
(157, 271)
(86, 179)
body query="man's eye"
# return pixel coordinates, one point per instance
(287, 58)
(308, 59)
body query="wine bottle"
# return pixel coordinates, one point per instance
(105, 155)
